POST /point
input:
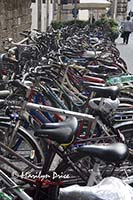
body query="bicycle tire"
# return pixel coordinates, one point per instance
(126, 128)
(77, 158)
(27, 141)
(105, 169)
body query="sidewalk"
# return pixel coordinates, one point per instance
(126, 51)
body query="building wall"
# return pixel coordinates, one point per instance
(118, 10)
(85, 10)
(34, 15)
(15, 16)
(122, 8)
(46, 14)
(62, 12)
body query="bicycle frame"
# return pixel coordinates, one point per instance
(90, 118)
(27, 105)
(14, 187)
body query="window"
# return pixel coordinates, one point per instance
(75, 1)
(70, 1)
(64, 1)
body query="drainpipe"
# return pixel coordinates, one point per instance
(115, 8)
(39, 9)
(47, 14)
(54, 8)
(75, 7)
(59, 7)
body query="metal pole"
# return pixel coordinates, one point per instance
(54, 7)
(115, 8)
(75, 7)
(39, 9)
(47, 14)
(59, 10)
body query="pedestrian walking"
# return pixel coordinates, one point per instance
(126, 27)
(93, 19)
(130, 13)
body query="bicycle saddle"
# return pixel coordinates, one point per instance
(61, 132)
(112, 153)
(106, 91)
(101, 68)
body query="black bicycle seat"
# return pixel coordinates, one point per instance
(112, 153)
(107, 91)
(61, 132)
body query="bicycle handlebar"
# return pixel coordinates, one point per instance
(60, 111)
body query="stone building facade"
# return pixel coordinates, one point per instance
(15, 16)
(122, 8)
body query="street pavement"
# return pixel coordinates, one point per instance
(126, 51)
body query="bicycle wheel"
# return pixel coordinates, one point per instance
(24, 144)
(126, 128)
(79, 173)
(85, 165)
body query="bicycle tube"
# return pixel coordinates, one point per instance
(73, 176)
(86, 164)
(53, 97)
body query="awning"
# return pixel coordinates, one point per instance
(93, 4)
(89, 4)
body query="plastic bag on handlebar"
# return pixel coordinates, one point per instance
(110, 188)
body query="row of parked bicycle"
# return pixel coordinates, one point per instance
(66, 113)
